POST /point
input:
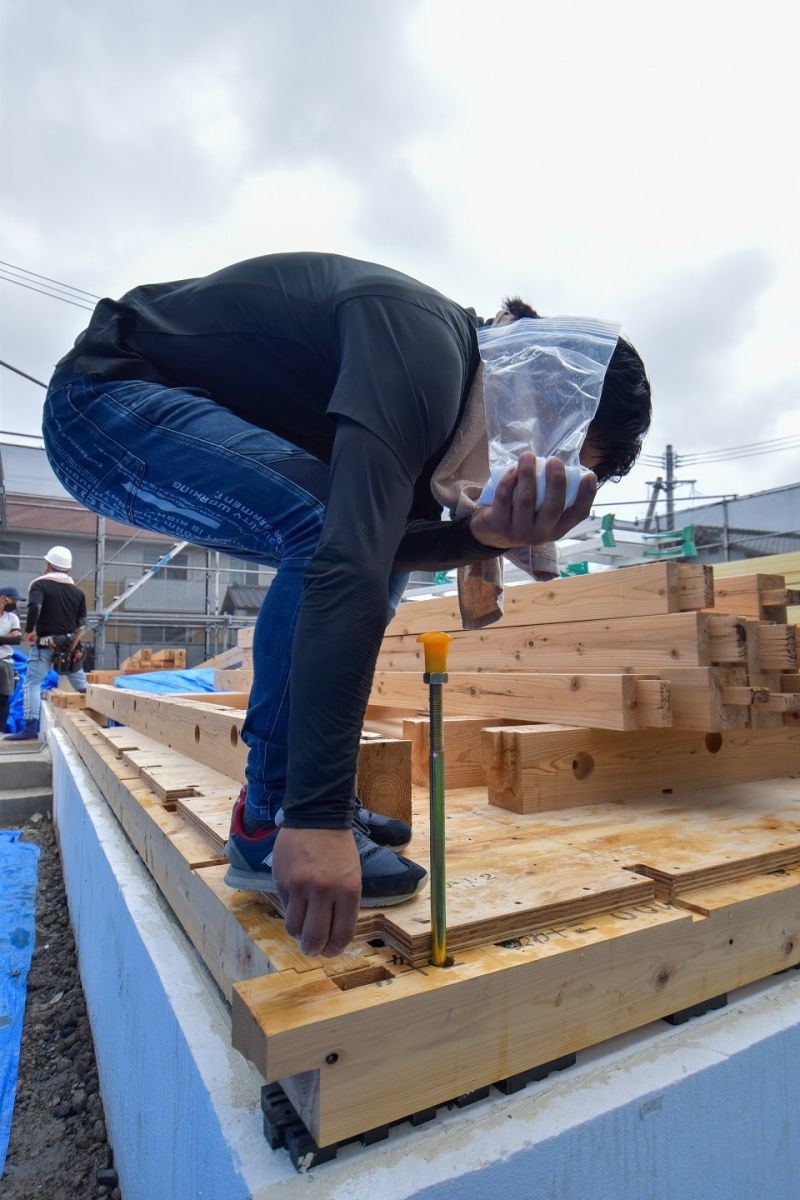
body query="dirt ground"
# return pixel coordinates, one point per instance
(58, 1147)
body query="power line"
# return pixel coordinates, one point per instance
(44, 292)
(727, 454)
(47, 279)
(24, 375)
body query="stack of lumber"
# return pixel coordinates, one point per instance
(142, 661)
(641, 681)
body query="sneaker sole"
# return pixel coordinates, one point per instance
(250, 881)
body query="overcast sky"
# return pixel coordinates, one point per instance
(625, 160)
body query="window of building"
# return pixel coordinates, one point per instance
(9, 556)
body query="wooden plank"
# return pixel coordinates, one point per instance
(234, 681)
(743, 596)
(653, 703)
(535, 768)
(777, 647)
(602, 701)
(575, 986)
(211, 734)
(697, 697)
(761, 676)
(236, 935)
(654, 588)
(634, 645)
(463, 761)
(59, 699)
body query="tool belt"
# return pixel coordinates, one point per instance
(67, 653)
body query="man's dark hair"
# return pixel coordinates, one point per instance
(623, 414)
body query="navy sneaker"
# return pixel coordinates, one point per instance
(386, 878)
(384, 831)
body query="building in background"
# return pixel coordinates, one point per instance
(181, 606)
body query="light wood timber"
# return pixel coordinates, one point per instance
(761, 716)
(236, 935)
(559, 985)
(697, 697)
(210, 733)
(639, 591)
(463, 761)
(602, 701)
(535, 768)
(244, 636)
(59, 699)
(777, 647)
(744, 596)
(234, 681)
(634, 645)
(518, 1008)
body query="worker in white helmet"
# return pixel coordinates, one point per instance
(55, 616)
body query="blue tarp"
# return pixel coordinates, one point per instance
(199, 679)
(18, 864)
(16, 718)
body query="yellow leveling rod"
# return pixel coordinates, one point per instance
(436, 646)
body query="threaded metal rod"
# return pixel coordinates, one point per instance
(438, 882)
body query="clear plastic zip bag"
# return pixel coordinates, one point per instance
(542, 379)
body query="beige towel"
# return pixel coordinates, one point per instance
(457, 482)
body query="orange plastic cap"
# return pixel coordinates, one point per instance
(436, 647)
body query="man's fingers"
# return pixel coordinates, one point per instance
(294, 902)
(555, 493)
(343, 924)
(317, 922)
(580, 509)
(524, 501)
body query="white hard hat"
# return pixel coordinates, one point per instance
(59, 556)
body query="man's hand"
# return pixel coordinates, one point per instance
(29, 639)
(512, 518)
(317, 875)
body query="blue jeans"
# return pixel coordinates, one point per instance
(40, 661)
(174, 461)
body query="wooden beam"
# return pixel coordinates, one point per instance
(746, 596)
(211, 734)
(654, 588)
(618, 645)
(535, 768)
(574, 986)
(463, 761)
(602, 701)
(234, 681)
(777, 647)
(698, 701)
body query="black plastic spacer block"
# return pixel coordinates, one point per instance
(379, 1134)
(304, 1151)
(471, 1097)
(515, 1083)
(697, 1010)
(423, 1116)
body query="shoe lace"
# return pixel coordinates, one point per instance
(367, 849)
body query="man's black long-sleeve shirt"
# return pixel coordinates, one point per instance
(366, 369)
(56, 606)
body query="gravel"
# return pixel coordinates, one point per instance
(59, 1147)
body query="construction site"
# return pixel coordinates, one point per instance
(399, 602)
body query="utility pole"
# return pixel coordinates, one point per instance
(657, 486)
(99, 589)
(669, 485)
